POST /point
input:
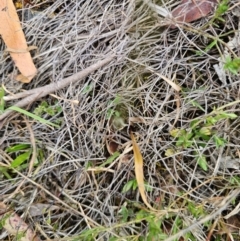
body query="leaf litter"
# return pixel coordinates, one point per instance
(75, 150)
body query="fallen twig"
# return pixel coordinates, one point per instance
(32, 95)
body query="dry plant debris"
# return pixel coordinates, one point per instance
(13, 36)
(138, 162)
(15, 225)
(191, 10)
(160, 81)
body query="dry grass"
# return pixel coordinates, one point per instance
(72, 35)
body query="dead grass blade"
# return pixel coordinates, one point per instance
(13, 36)
(138, 160)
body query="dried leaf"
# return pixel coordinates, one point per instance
(112, 146)
(138, 160)
(191, 10)
(13, 36)
(233, 224)
(38, 209)
(15, 225)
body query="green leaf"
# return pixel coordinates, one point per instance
(225, 115)
(135, 185)
(196, 212)
(205, 131)
(222, 8)
(113, 239)
(235, 180)
(202, 162)
(4, 170)
(219, 142)
(20, 159)
(209, 47)
(185, 141)
(37, 118)
(110, 159)
(2, 102)
(232, 65)
(141, 215)
(110, 112)
(128, 186)
(18, 147)
(125, 213)
(211, 120)
(194, 123)
(196, 104)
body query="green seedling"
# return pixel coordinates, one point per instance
(45, 108)
(154, 223)
(202, 162)
(125, 213)
(117, 114)
(201, 131)
(20, 154)
(49, 110)
(132, 184)
(222, 8)
(232, 65)
(198, 211)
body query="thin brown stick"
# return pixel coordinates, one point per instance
(34, 94)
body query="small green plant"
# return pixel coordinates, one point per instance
(117, 113)
(155, 231)
(51, 110)
(37, 117)
(221, 9)
(125, 213)
(33, 116)
(233, 65)
(201, 131)
(133, 218)
(132, 184)
(20, 154)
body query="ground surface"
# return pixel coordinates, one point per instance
(189, 139)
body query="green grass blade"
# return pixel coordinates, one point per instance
(35, 117)
(18, 147)
(110, 159)
(2, 102)
(20, 159)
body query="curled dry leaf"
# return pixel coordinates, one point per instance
(112, 146)
(138, 161)
(13, 36)
(191, 10)
(15, 225)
